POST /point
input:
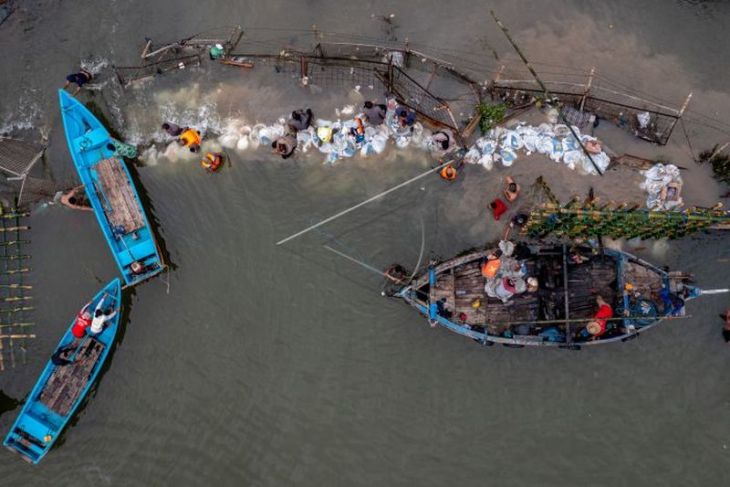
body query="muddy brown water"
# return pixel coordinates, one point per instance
(268, 365)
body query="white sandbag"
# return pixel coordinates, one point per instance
(511, 140)
(570, 143)
(508, 156)
(561, 130)
(544, 144)
(556, 149)
(574, 158)
(473, 156)
(229, 140)
(487, 146)
(602, 161)
(486, 161)
(243, 143)
(402, 141)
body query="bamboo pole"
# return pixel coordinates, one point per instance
(588, 88)
(363, 203)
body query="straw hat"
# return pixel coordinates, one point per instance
(593, 327)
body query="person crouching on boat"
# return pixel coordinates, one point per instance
(597, 326)
(101, 316)
(212, 161)
(85, 320)
(79, 79)
(285, 146)
(191, 139)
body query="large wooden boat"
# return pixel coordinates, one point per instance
(452, 294)
(61, 388)
(111, 192)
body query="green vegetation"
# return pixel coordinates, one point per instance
(490, 115)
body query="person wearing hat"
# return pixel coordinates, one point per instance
(597, 326)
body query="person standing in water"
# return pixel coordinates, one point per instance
(374, 114)
(79, 79)
(285, 146)
(76, 199)
(173, 130)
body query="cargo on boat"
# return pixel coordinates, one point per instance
(111, 192)
(65, 381)
(568, 292)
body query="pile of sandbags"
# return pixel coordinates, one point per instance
(553, 140)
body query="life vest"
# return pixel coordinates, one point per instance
(490, 268)
(211, 162)
(80, 325)
(190, 137)
(448, 173)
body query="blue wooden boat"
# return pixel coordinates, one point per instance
(454, 295)
(111, 193)
(61, 388)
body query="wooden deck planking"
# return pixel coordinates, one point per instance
(125, 211)
(66, 382)
(444, 288)
(645, 281)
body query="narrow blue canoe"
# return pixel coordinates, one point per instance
(111, 193)
(61, 388)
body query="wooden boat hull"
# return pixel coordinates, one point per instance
(451, 294)
(60, 389)
(111, 192)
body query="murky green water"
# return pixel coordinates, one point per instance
(268, 365)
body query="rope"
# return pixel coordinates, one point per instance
(363, 203)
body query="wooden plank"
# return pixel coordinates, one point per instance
(125, 211)
(66, 383)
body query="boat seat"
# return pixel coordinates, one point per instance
(141, 252)
(92, 140)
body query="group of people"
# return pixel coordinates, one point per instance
(87, 322)
(192, 139)
(287, 143)
(511, 192)
(343, 138)
(505, 272)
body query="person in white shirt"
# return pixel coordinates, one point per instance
(101, 317)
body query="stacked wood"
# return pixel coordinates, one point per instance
(66, 382)
(124, 210)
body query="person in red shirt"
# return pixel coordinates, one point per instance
(498, 208)
(597, 326)
(83, 321)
